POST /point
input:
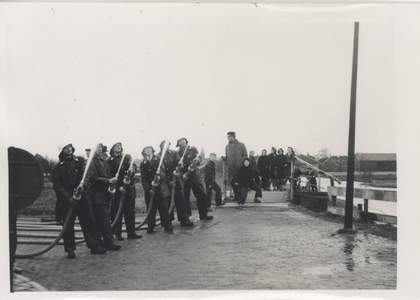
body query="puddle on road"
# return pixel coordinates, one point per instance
(348, 250)
(360, 251)
(357, 251)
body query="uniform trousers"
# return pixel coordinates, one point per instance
(199, 193)
(100, 205)
(159, 203)
(83, 211)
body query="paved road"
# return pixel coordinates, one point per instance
(270, 246)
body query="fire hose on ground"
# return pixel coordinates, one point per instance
(76, 196)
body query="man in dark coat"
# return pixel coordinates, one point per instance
(210, 181)
(66, 177)
(235, 154)
(155, 185)
(171, 160)
(192, 178)
(98, 178)
(127, 171)
(264, 168)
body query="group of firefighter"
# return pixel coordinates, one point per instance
(101, 190)
(92, 189)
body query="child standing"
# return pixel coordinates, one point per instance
(210, 181)
(313, 183)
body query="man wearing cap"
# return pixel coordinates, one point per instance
(235, 154)
(97, 181)
(127, 170)
(171, 160)
(66, 177)
(150, 175)
(192, 178)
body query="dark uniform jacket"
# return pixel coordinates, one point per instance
(148, 171)
(66, 177)
(170, 160)
(191, 153)
(99, 167)
(114, 162)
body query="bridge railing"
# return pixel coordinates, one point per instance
(366, 194)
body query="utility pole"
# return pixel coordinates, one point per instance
(348, 219)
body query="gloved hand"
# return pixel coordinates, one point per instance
(122, 190)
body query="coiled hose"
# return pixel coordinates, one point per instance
(66, 222)
(57, 239)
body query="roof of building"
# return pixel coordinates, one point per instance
(308, 159)
(376, 156)
(322, 161)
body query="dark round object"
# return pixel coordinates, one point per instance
(26, 178)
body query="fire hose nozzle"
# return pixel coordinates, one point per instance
(77, 194)
(156, 181)
(127, 180)
(111, 189)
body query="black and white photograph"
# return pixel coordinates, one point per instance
(210, 150)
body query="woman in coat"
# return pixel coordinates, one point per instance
(264, 167)
(271, 156)
(289, 157)
(280, 161)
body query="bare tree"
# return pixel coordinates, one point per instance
(323, 153)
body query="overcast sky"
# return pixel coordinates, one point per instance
(140, 74)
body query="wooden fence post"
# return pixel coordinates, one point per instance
(366, 205)
(333, 197)
(291, 181)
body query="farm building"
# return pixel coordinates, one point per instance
(376, 162)
(329, 164)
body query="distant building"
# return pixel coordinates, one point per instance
(329, 164)
(202, 154)
(376, 162)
